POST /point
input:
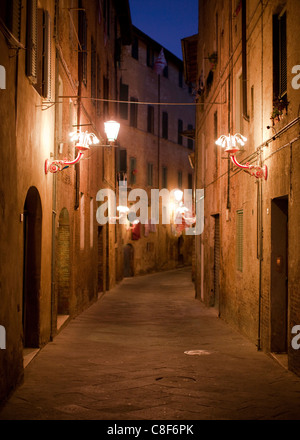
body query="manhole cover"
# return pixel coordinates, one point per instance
(197, 352)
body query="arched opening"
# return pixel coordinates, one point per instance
(63, 268)
(128, 260)
(32, 269)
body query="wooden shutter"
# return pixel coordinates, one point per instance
(282, 56)
(239, 240)
(121, 160)
(180, 129)
(132, 168)
(217, 260)
(47, 57)
(133, 112)
(82, 31)
(150, 122)
(93, 71)
(165, 125)
(123, 97)
(14, 19)
(31, 53)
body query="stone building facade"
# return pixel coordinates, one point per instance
(61, 61)
(248, 256)
(155, 145)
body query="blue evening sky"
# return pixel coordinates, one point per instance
(166, 21)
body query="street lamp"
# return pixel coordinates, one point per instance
(111, 129)
(232, 144)
(83, 142)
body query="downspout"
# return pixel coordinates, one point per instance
(260, 197)
(54, 181)
(244, 59)
(229, 102)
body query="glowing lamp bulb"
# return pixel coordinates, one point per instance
(112, 130)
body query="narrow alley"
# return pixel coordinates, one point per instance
(148, 350)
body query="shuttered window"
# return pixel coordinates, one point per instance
(279, 56)
(133, 112)
(135, 48)
(93, 71)
(179, 179)
(165, 125)
(164, 177)
(47, 57)
(190, 141)
(121, 160)
(150, 174)
(43, 57)
(123, 108)
(150, 121)
(239, 239)
(105, 96)
(10, 12)
(99, 77)
(180, 129)
(132, 170)
(31, 41)
(82, 54)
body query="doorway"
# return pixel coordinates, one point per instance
(216, 274)
(32, 269)
(63, 268)
(128, 260)
(279, 275)
(100, 259)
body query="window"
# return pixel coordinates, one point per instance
(93, 71)
(166, 72)
(121, 162)
(31, 41)
(190, 181)
(180, 129)
(42, 81)
(239, 104)
(91, 222)
(98, 86)
(164, 177)
(105, 96)
(106, 15)
(135, 48)
(82, 218)
(180, 78)
(10, 13)
(165, 125)
(123, 109)
(179, 179)
(239, 240)
(82, 54)
(190, 141)
(150, 56)
(133, 112)
(150, 121)
(279, 57)
(132, 170)
(150, 174)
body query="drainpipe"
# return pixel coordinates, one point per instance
(53, 265)
(260, 196)
(244, 58)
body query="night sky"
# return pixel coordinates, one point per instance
(166, 21)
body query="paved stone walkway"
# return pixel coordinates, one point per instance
(125, 359)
